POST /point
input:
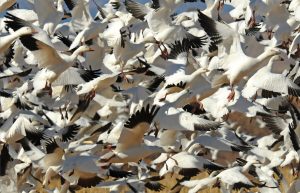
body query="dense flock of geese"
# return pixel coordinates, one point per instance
(142, 92)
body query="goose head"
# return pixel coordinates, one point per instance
(180, 97)
(268, 53)
(276, 58)
(273, 51)
(26, 31)
(82, 49)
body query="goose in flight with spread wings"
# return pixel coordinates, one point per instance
(135, 128)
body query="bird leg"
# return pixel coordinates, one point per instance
(295, 170)
(156, 130)
(66, 111)
(61, 114)
(254, 97)
(82, 53)
(91, 94)
(297, 53)
(220, 5)
(269, 33)
(252, 21)
(123, 73)
(164, 51)
(48, 88)
(231, 95)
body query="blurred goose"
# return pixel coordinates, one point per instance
(170, 117)
(238, 181)
(188, 160)
(163, 32)
(53, 65)
(246, 64)
(49, 18)
(135, 128)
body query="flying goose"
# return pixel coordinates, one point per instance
(163, 32)
(170, 116)
(271, 84)
(49, 18)
(6, 41)
(135, 127)
(233, 74)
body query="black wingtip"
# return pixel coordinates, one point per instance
(14, 22)
(70, 132)
(88, 75)
(50, 146)
(4, 159)
(119, 173)
(146, 114)
(209, 26)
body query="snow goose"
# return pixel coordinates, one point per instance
(163, 31)
(216, 144)
(98, 84)
(142, 91)
(105, 13)
(14, 79)
(80, 14)
(239, 179)
(24, 127)
(135, 128)
(217, 105)
(219, 32)
(291, 142)
(27, 14)
(186, 160)
(6, 41)
(51, 157)
(176, 77)
(81, 170)
(16, 23)
(50, 17)
(53, 65)
(271, 84)
(294, 50)
(171, 117)
(234, 75)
